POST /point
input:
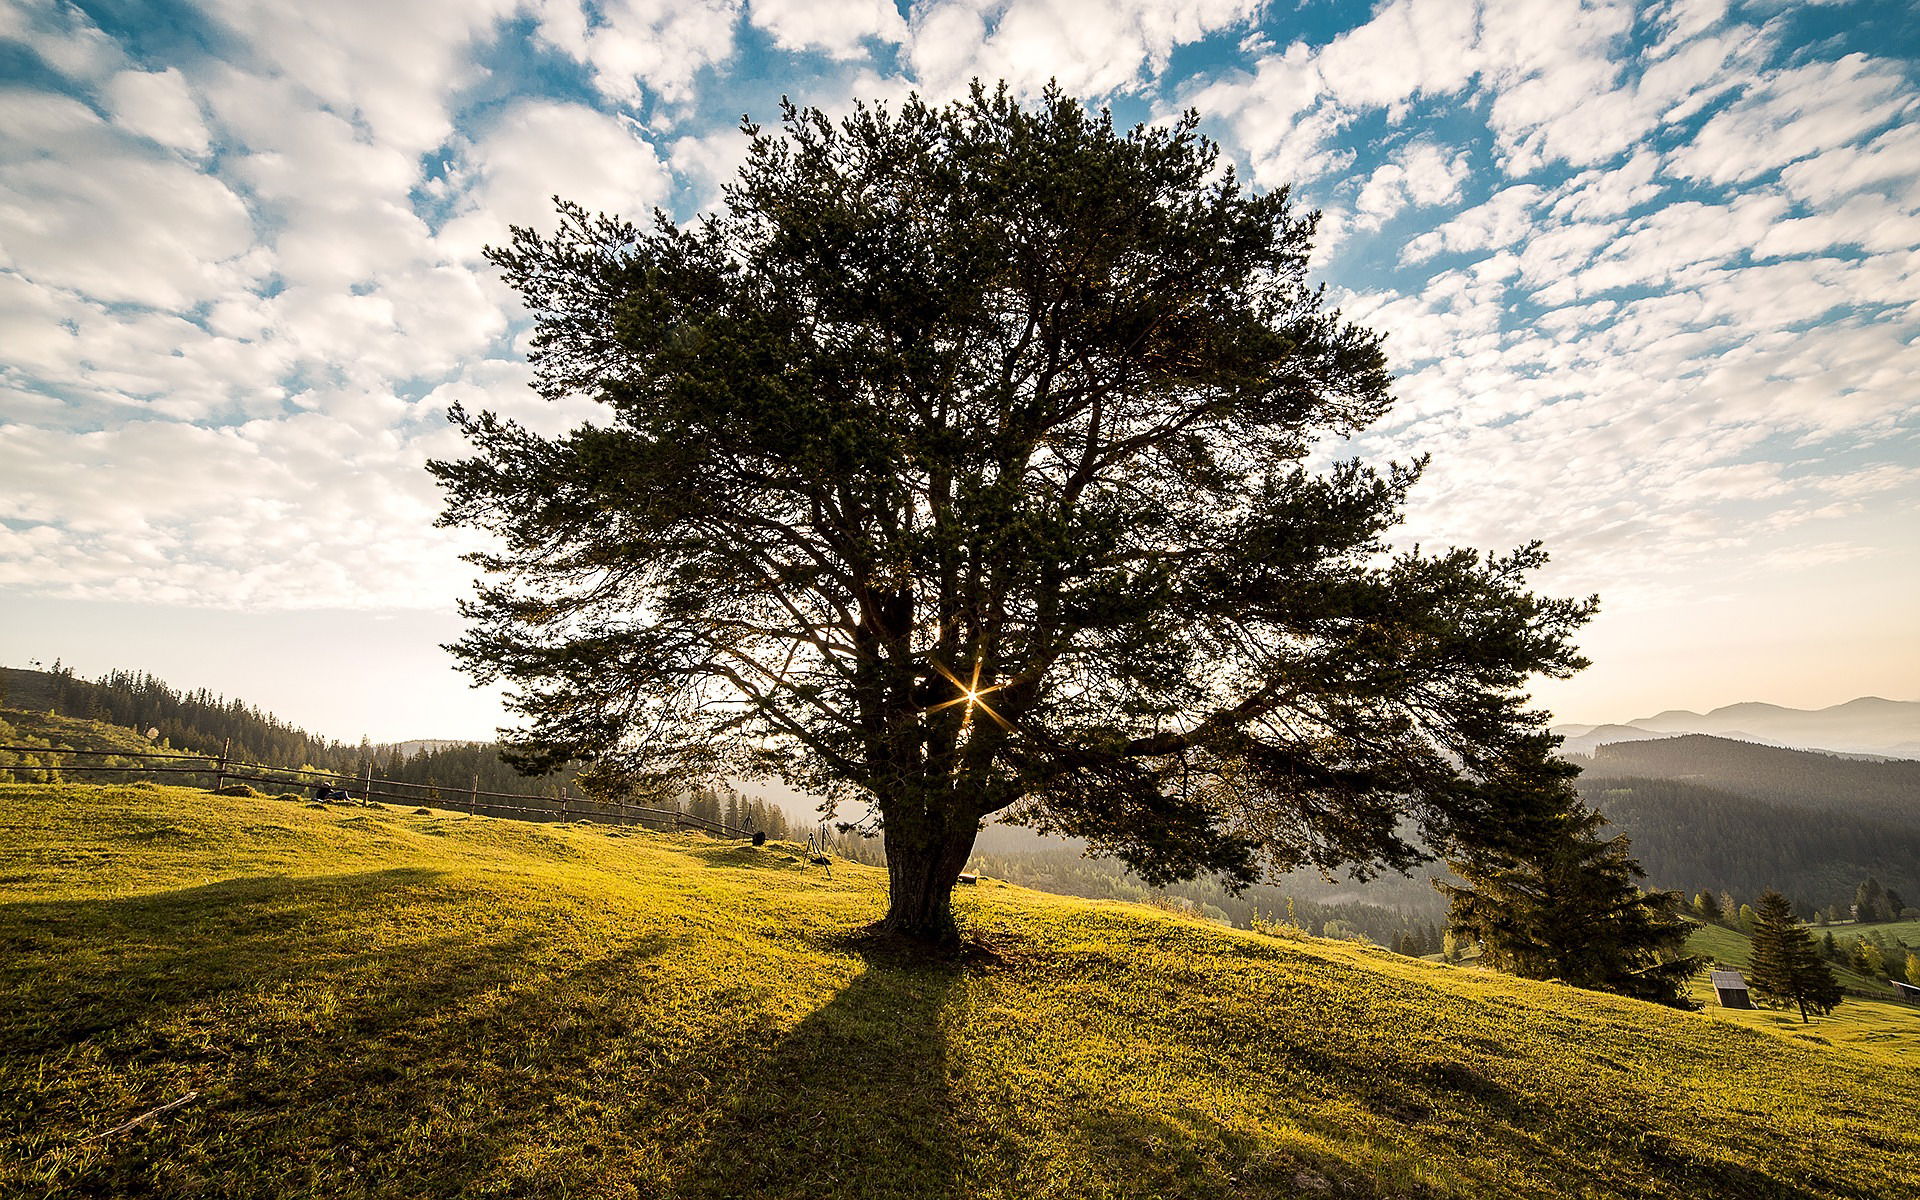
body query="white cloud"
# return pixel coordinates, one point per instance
(61, 36)
(390, 68)
(538, 149)
(1420, 175)
(84, 207)
(1889, 163)
(634, 47)
(840, 29)
(1091, 47)
(1409, 48)
(1794, 113)
(1504, 219)
(157, 105)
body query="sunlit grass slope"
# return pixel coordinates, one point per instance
(1886, 1029)
(392, 1004)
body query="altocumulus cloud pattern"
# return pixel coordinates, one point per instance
(1649, 270)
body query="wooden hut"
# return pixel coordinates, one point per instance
(1731, 988)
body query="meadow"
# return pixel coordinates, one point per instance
(391, 1002)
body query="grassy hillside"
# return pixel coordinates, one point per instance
(1886, 1029)
(1735, 949)
(401, 1004)
(19, 727)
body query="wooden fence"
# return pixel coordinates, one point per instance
(368, 787)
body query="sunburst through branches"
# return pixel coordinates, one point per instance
(972, 695)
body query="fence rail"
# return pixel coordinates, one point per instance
(472, 799)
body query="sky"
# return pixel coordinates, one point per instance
(1650, 275)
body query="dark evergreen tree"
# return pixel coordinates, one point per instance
(1706, 907)
(1557, 899)
(961, 464)
(1786, 968)
(1870, 901)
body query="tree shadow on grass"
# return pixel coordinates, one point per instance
(318, 1017)
(854, 1101)
(1184, 1152)
(74, 969)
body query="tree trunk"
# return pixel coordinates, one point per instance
(923, 862)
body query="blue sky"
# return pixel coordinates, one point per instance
(1649, 273)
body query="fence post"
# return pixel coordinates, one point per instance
(473, 797)
(366, 793)
(563, 802)
(220, 776)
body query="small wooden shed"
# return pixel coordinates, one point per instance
(1731, 988)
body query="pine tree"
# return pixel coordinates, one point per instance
(1786, 966)
(1707, 908)
(1829, 949)
(1558, 901)
(943, 463)
(1870, 901)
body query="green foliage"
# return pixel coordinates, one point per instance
(1786, 967)
(1554, 899)
(1869, 959)
(381, 1004)
(960, 463)
(196, 721)
(1846, 787)
(1706, 907)
(1685, 833)
(1731, 948)
(1872, 902)
(1913, 968)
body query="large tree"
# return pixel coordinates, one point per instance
(974, 460)
(1551, 896)
(1786, 967)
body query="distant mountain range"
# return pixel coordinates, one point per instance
(1869, 726)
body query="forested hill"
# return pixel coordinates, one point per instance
(1692, 837)
(197, 721)
(1888, 792)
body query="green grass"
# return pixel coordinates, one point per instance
(1894, 931)
(1736, 950)
(378, 1003)
(1884, 1029)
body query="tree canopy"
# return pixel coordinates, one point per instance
(976, 459)
(1552, 897)
(1786, 968)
